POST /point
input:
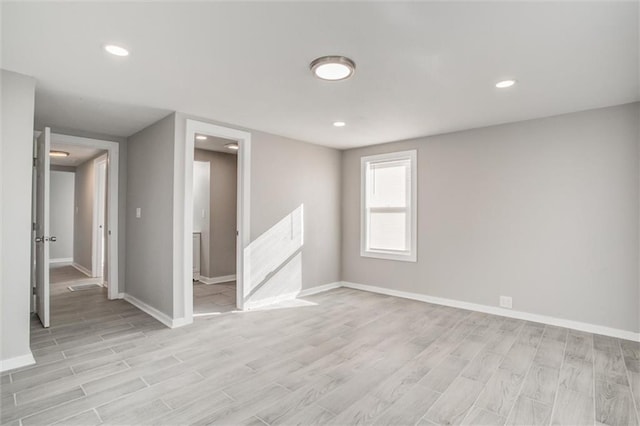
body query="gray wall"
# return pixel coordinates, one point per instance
(83, 219)
(545, 211)
(70, 169)
(286, 174)
(222, 212)
(61, 208)
(149, 239)
(16, 152)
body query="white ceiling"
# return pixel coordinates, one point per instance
(77, 154)
(214, 143)
(422, 67)
(64, 110)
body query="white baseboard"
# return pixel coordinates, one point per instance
(544, 319)
(82, 269)
(17, 362)
(61, 260)
(216, 280)
(160, 316)
(319, 289)
(181, 322)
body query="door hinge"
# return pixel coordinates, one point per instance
(35, 161)
(33, 226)
(33, 291)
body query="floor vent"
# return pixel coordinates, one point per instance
(79, 287)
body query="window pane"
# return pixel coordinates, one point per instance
(388, 184)
(387, 231)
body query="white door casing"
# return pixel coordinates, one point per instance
(183, 253)
(112, 231)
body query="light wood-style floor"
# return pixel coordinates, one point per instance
(214, 298)
(340, 357)
(64, 273)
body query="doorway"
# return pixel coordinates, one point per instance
(214, 225)
(186, 262)
(77, 212)
(75, 220)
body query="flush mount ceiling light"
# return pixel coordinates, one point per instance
(116, 50)
(233, 146)
(339, 123)
(333, 68)
(505, 83)
(201, 137)
(58, 154)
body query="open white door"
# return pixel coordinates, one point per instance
(99, 219)
(43, 145)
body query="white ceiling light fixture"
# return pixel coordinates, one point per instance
(232, 146)
(58, 154)
(505, 83)
(333, 68)
(116, 50)
(339, 123)
(201, 137)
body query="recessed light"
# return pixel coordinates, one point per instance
(201, 137)
(339, 123)
(58, 154)
(233, 146)
(333, 68)
(505, 83)
(116, 50)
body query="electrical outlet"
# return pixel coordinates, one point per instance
(138, 212)
(506, 302)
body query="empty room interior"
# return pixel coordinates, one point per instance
(339, 213)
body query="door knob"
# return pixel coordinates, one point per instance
(39, 239)
(53, 239)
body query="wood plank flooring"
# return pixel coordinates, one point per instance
(60, 273)
(214, 298)
(341, 357)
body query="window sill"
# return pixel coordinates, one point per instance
(409, 257)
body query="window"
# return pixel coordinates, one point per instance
(389, 206)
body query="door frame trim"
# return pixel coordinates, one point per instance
(113, 159)
(243, 210)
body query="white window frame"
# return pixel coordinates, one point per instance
(410, 255)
